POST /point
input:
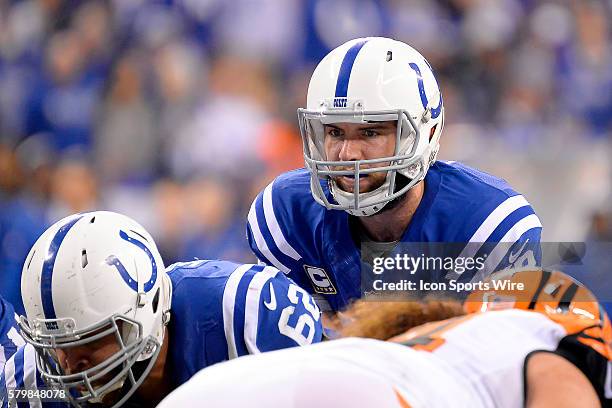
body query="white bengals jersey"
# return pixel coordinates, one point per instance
(473, 361)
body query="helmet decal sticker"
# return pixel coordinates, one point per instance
(345, 70)
(46, 278)
(435, 112)
(132, 283)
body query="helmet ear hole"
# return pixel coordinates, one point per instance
(84, 261)
(155, 302)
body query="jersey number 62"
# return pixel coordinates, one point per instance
(306, 320)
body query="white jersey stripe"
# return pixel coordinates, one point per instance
(260, 240)
(9, 378)
(251, 307)
(272, 222)
(15, 337)
(497, 216)
(500, 251)
(487, 227)
(229, 300)
(29, 375)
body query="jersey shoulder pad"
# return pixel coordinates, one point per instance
(201, 268)
(294, 184)
(198, 287)
(283, 220)
(483, 182)
(486, 205)
(488, 215)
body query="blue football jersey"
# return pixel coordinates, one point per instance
(314, 246)
(10, 340)
(220, 310)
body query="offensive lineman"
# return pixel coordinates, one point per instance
(108, 324)
(371, 134)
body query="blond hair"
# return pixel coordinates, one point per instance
(383, 320)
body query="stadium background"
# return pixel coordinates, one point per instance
(177, 112)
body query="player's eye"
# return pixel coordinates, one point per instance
(333, 132)
(370, 133)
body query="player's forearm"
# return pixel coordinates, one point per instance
(554, 382)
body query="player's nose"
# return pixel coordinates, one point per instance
(73, 363)
(350, 150)
(78, 366)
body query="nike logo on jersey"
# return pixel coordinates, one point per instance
(515, 255)
(271, 305)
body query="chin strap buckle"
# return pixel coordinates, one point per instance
(141, 300)
(426, 115)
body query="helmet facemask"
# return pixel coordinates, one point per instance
(405, 160)
(367, 80)
(49, 335)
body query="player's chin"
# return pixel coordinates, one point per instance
(107, 400)
(112, 397)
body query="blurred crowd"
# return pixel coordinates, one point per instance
(177, 112)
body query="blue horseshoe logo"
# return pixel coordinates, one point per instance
(435, 112)
(132, 283)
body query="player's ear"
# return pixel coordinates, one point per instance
(551, 381)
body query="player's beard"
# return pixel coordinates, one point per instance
(371, 181)
(401, 181)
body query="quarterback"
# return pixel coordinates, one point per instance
(108, 324)
(371, 133)
(550, 349)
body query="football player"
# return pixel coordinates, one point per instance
(107, 324)
(10, 339)
(371, 133)
(546, 347)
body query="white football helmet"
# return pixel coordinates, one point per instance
(370, 80)
(88, 276)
